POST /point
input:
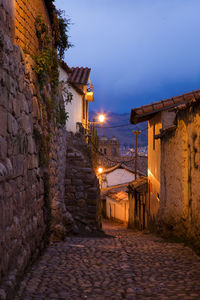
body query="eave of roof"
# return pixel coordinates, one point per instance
(139, 185)
(79, 75)
(68, 70)
(114, 189)
(79, 91)
(118, 166)
(119, 196)
(65, 67)
(146, 112)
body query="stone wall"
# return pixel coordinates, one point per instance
(82, 187)
(22, 214)
(109, 147)
(34, 166)
(180, 178)
(26, 11)
(57, 185)
(32, 193)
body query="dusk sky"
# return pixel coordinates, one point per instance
(140, 51)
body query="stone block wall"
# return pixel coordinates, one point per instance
(82, 187)
(32, 194)
(26, 11)
(22, 215)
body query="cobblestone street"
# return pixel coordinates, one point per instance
(127, 265)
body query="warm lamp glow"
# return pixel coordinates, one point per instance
(101, 118)
(100, 170)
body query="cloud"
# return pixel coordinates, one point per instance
(136, 49)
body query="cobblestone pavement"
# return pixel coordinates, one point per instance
(128, 265)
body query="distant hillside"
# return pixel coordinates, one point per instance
(123, 133)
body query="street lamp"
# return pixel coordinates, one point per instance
(99, 175)
(101, 118)
(100, 170)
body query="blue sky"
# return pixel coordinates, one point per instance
(139, 51)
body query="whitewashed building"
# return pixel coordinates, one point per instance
(75, 81)
(119, 174)
(117, 206)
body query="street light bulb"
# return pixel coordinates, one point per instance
(101, 118)
(100, 170)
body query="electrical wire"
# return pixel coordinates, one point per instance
(122, 125)
(113, 161)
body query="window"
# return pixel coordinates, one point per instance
(101, 150)
(83, 107)
(105, 150)
(114, 151)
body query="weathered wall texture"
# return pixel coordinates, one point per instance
(154, 153)
(82, 187)
(22, 215)
(180, 177)
(116, 177)
(109, 147)
(26, 11)
(117, 209)
(31, 195)
(57, 185)
(33, 165)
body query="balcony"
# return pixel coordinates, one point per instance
(89, 94)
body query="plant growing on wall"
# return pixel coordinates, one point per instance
(47, 64)
(60, 31)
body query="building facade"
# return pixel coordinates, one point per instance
(109, 147)
(117, 206)
(77, 83)
(174, 163)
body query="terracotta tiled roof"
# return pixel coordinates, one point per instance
(79, 75)
(126, 161)
(120, 196)
(140, 184)
(114, 189)
(65, 67)
(146, 112)
(68, 70)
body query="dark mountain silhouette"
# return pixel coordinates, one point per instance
(123, 133)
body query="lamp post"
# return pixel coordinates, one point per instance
(136, 133)
(100, 171)
(101, 120)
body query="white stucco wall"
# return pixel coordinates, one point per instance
(118, 176)
(117, 210)
(74, 108)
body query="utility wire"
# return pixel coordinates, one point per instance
(122, 125)
(113, 161)
(114, 126)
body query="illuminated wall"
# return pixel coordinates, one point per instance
(26, 11)
(180, 180)
(154, 156)
(74, 108)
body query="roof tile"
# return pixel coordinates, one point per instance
(79, 75)
(146, 112)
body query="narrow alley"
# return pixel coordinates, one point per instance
(123, 264)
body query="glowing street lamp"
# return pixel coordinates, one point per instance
(100, 170)
(101, 118)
